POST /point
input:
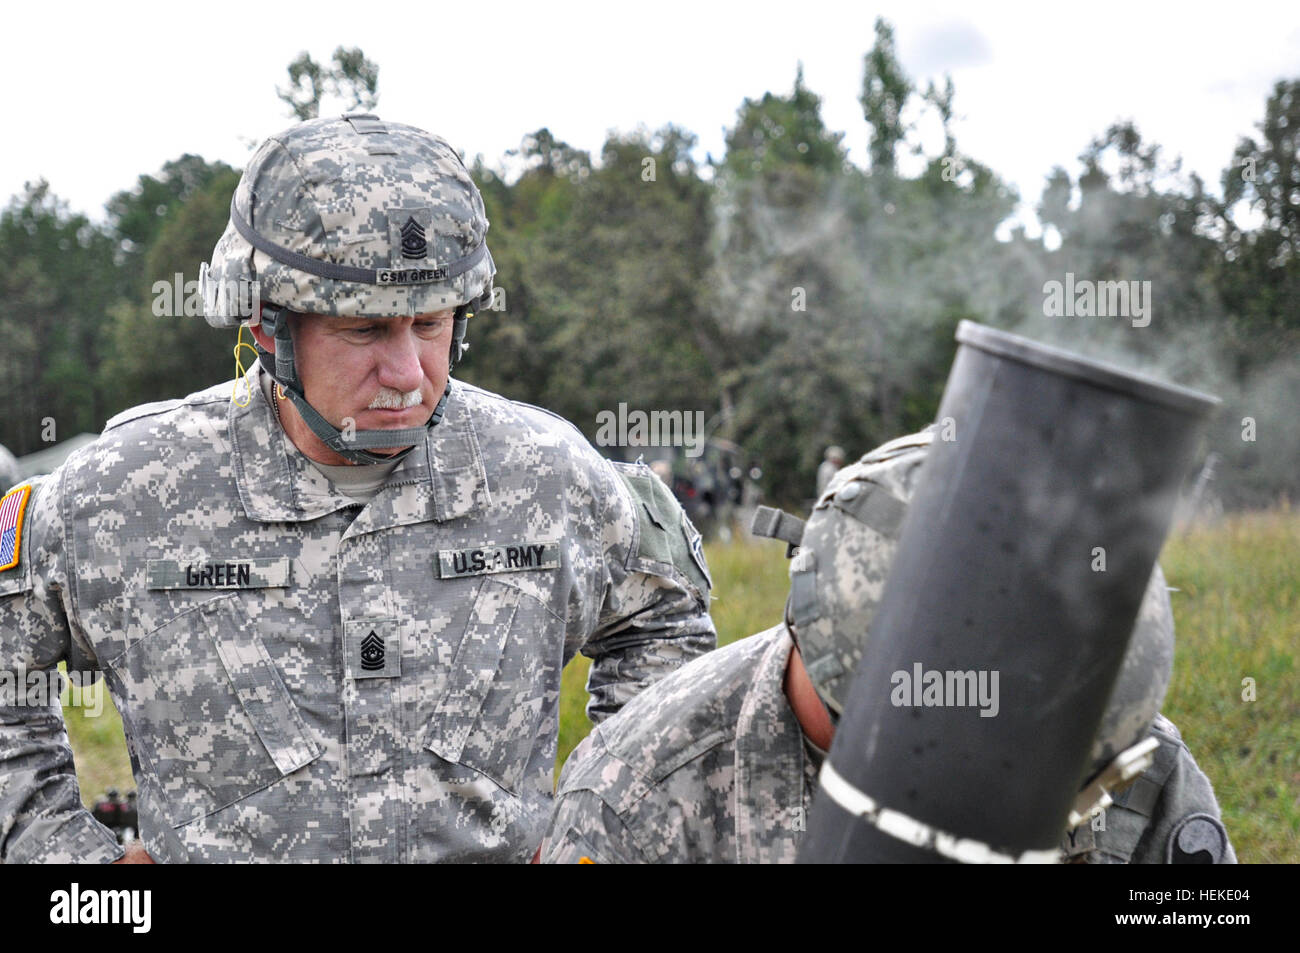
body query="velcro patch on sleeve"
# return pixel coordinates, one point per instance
(667, 535)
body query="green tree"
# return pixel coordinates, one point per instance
(512, 350)
(58, 283)
(941, 100)
(352, 77)
(837, 292)
(1260, 280)
(781, 281)
(779, 132)
(1136, 220)
(602, 268)
(136, 216)
(885, 91)
(156, 356)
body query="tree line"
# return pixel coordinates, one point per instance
(796, 298)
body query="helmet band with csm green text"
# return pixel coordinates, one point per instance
(372, 276)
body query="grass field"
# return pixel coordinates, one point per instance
(1237, 618)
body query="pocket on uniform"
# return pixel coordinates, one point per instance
(488, 717)
(209, 711)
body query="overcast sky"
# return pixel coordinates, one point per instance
(98, 94)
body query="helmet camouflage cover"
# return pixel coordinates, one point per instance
(351, 216)
(838, 577)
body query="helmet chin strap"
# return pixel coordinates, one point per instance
(353, 447)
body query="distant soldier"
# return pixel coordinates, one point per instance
(719, 761)
(834, 459)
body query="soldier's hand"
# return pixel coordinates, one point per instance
(135, 854)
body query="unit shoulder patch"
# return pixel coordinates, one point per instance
(666, 533)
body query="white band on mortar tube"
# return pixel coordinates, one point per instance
(917, 833)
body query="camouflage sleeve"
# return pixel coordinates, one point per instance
(1185, 824)
(1168, 815)
(655, 613)
(584, 828)
(41, 815)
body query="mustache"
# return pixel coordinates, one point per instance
(389, 399)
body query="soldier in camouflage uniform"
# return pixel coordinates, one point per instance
(326, 647)
(719, 762)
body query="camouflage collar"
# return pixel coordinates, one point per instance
(770, 804)
(443, 480)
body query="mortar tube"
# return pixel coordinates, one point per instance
(1025, 552)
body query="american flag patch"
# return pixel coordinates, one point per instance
(11, 525)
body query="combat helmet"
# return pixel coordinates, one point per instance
(842, 557)
(838, 573)
(354, 217)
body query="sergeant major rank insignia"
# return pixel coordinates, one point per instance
(414, 244)
(373, 648)
(372, 652)
(408, 237)
(12, 508)
(488, 559)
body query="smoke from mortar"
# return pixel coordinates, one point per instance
(842, 291)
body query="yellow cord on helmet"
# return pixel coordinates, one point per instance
(240, 373)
